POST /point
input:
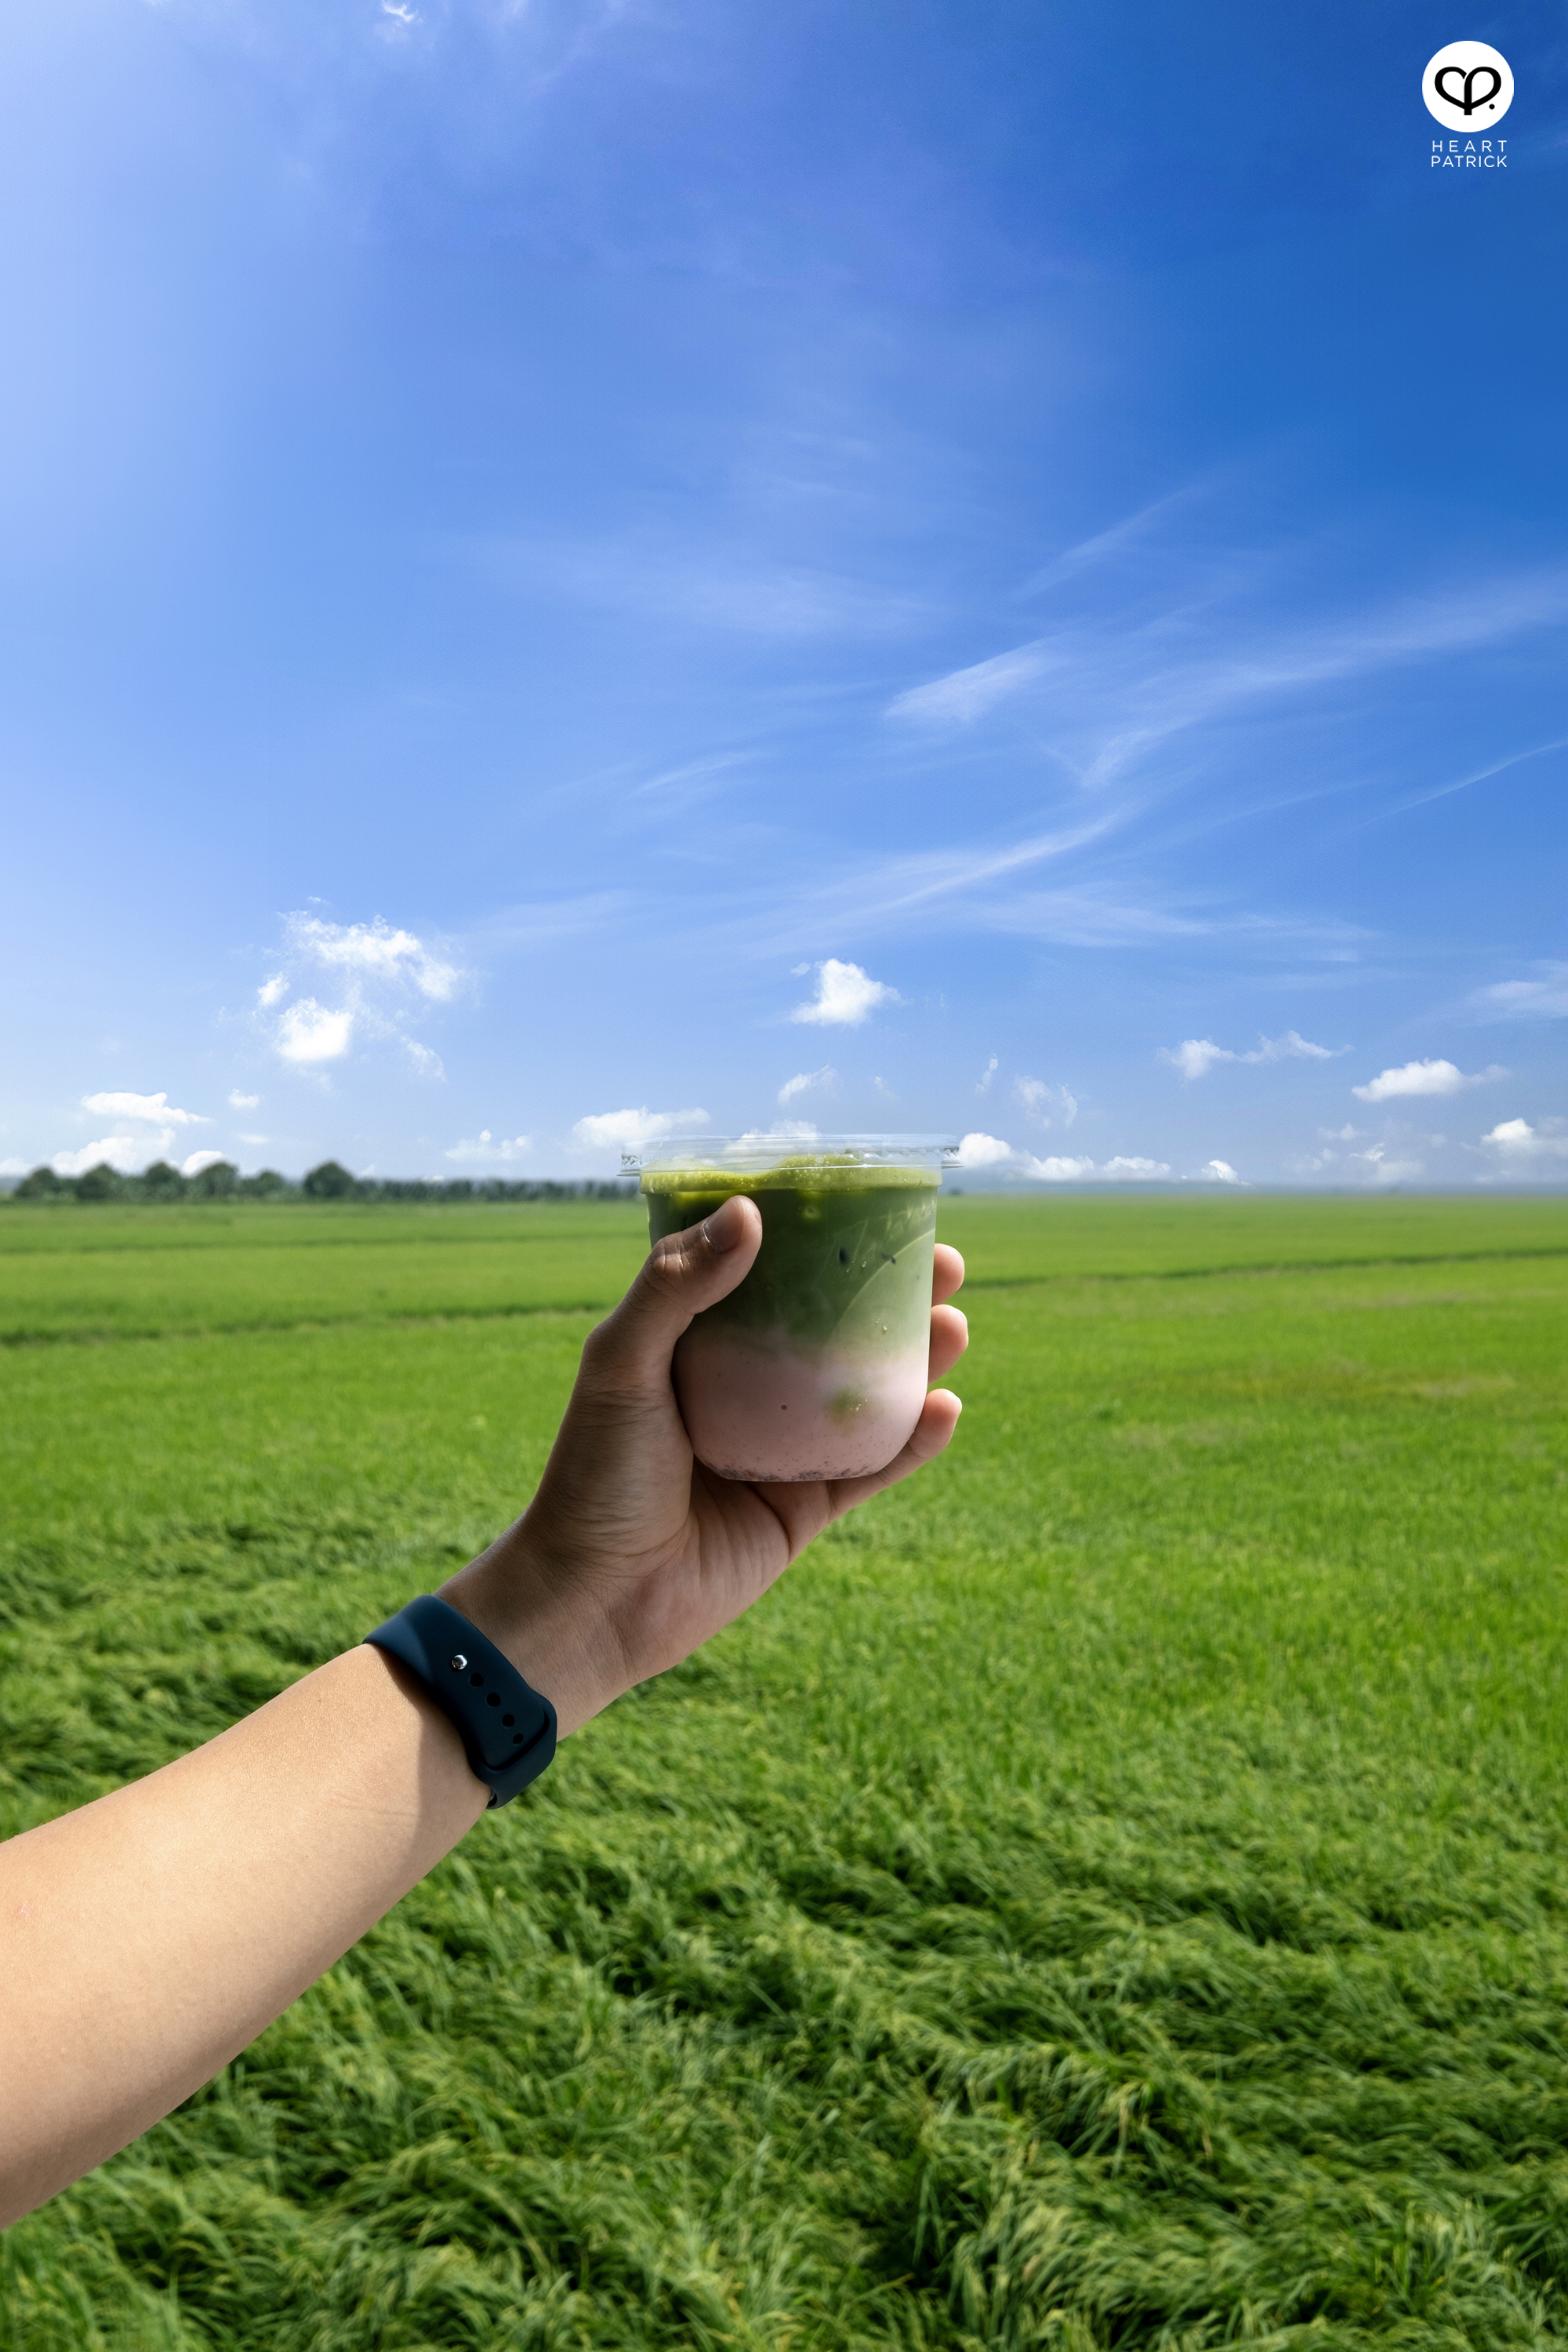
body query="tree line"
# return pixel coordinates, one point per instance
(329, 1182)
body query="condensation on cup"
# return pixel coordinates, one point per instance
(816, 1365)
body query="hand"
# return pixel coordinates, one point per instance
(632, 1553)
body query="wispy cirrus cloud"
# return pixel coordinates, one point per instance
(807, 1082)
(1196, 1056)
(1544, 998)
(1117, 692)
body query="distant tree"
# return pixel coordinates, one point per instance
(162, 1182)
(101, 1183)
(263, 1187)
(329, 1182)
(43, 1184)
(217, 1182)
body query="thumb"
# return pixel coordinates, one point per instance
(681, 1274)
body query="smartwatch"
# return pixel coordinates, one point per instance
(507, 1727)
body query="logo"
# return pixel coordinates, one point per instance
(1467, 87)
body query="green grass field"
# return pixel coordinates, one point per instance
(1113, 1893)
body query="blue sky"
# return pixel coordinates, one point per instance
(986, 568)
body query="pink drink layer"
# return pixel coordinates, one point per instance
(767, 1409)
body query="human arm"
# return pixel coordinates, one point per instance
(147, 1937)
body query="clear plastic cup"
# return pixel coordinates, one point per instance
(816, 1365)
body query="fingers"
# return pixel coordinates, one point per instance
(946, 1273)
(948, 1339)
(938, 1419)
(681, 1275)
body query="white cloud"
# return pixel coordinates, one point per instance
(989, 1151)
(1429, 1077)
(1196, 1057)
(152, 1110)
(803, 1080)
(13, 1167)
(1381, 1169)
(633, 1130)
(198, 1161)
(1058, 1171)
(983, 1151)
(244, 1102)
(486, 1151)
(1515, 1140)
(309, 1032)
(427, 1062)
(373, 952)
(1546, 997)
(271, 991)
(964, 694)
(982, 1085)
(784, 1130)
(1039, 1100)
(255, 1139)
(1216, 1171)
(124, 1152)
(846, 996)
(884, 1089)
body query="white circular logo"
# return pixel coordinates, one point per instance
(1467, 87)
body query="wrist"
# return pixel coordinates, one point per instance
(553, 1632)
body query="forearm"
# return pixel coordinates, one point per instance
(145, 1939)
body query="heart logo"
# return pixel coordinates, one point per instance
(1468, 103)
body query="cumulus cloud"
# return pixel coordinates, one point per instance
(804, 1081)
(1519, 1144)
(634, 1130)
(1196, 1056)
(124, 1152)
(13, 1166)
(370, 975)
(244, 1102)
(1039, 1100)
(983, 1151)
(846, 996)
(198, 1161)
(1057, 1170)
(1380, 1169)
(487, 1150)
(309, 1032)
(151, 1110)
(978, 1151)
(1216, 1171)
(1429, 1077)
(373, 952)
(1546, 996)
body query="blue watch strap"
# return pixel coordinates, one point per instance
(507, 1727)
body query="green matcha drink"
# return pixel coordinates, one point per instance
(815, 1367)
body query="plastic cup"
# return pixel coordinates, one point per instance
(816, 1365)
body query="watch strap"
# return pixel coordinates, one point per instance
(507, 1727)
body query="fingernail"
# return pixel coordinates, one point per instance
(723, 1229)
